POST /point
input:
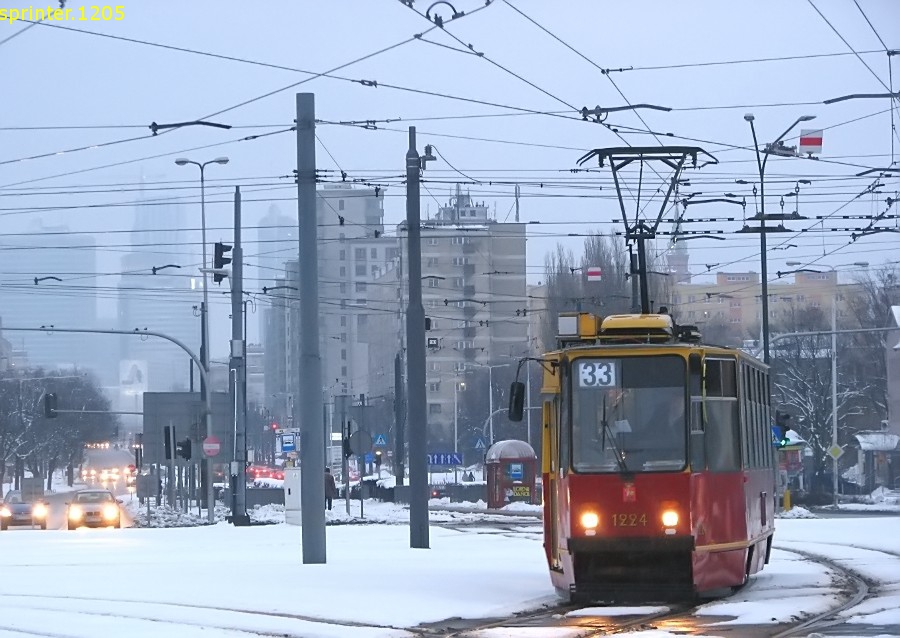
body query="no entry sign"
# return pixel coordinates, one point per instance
(212, 446)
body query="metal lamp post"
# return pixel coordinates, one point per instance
(204, 316)
(761, 164)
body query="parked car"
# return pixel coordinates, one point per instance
(93, 508)
(18, 510)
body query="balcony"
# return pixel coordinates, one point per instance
(469, 248)
(469, 332)
(469, 311)
(469, 354)
(469, 291)
(468, 270)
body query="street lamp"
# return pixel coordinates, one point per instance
(761, 164)
(204, 315)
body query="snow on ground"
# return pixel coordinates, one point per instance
(175, 578)
(796, 512)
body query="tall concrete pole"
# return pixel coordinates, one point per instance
(238, 363)
(415, 358)
(309, 374)
(834, 401)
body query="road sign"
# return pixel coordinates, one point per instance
(516, 471)
(594, 273)
(432, 342)
(480, 445)
(212, 445)
(445, 458)
(835, 452)
(288, 443)
(380, 440)
(369, 458)
(810, 141)
(360, 442)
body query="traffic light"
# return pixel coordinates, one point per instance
(183, 449)
(220, 260)
(347, 452)
(168, 435)
(781, 428)
(377, 459)
(50, 405)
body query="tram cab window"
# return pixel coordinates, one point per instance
(723, 450)
(628, 414)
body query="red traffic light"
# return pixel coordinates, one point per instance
(274, 426)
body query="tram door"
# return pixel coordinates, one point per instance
(550, 470)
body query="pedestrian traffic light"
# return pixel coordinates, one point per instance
(183, 449)
(220, 260)
(781, 428)
(378, 459)
(50, 405)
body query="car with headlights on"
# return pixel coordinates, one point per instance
(16, 509)
(93, 508)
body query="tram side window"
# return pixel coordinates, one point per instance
(722, 435)
(762, 440)
(565, 418)
(746, 417)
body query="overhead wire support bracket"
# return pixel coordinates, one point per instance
(154, 127)
(640, 230)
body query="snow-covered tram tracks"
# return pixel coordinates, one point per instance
(867, 579)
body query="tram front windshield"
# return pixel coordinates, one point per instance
(628, 414)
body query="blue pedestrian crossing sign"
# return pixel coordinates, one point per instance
(380, 440)
(480, 445)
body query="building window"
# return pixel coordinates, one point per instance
(343, 354)
(343, 371)
(360, 270)
(343, 321)
(344, 387)
(360, 254)
(458, 282)
(434, 366)
(373, 253)
(691, 314)
(432, 261)
(376, 270)
(432, 241)
(735, 303)
(434, 387)
(734, 320)
(362, 322)
(340, 204)
(460, 261)
(459, 240)
(360, 286)
(361, 302)
(691, 298)
(343, 288)
(434, 408)
(737, 278)
(392, 253)
(462, 345)
(459, 366)
(343, 337)
(434, 324)
(343, 271)
(342, 237)
(432, 303)
(433, 283)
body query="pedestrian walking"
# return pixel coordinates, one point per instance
(330, 488)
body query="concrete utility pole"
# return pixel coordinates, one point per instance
(415, 356)
(309, 375)
(238, 363)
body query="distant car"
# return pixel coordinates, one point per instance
(93, 508)
(16, 510)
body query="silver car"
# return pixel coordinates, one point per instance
(93, 508)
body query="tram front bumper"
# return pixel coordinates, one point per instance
(632, 569)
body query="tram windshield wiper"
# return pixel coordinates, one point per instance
(620, 460)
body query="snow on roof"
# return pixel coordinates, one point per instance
(878, 441)
(511, 449)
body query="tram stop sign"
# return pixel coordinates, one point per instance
(212, 446)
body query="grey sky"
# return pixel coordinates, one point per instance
(54, 77)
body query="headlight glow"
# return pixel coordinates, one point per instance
(4, 511)
(75, 513)
(590, 520)
(670, 518)
(110, 512)
(39, 510)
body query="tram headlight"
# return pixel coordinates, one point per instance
(590, 520)
(670, 518)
